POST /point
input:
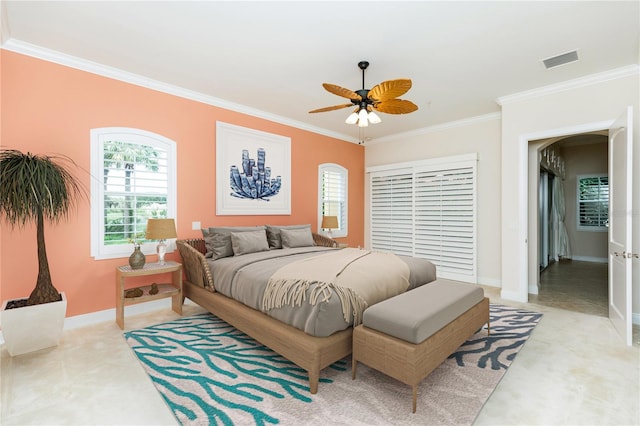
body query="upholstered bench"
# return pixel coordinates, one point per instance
(408, 336)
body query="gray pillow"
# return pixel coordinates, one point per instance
(273, 233)
(249, 242)
(296, 238)
(218, 239)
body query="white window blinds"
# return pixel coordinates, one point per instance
(332, 191)
(593, 202)
(135, 179)
(428, 210)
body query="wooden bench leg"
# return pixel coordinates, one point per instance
(354, 367)
(415, 397)
(314, 378)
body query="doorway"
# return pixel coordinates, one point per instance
(572, 275)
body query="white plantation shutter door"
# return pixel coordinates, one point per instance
(392, 213)
(428, 211)
(445, 221)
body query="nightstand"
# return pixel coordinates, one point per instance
(173, 289)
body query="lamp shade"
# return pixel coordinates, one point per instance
(352, 119)
(374, 118)
(329, 222)
(362, 118)
(161, 229)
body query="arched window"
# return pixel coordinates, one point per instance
(332, 193)
(134, 179)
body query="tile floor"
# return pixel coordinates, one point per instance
(573, 370)
(575, 286)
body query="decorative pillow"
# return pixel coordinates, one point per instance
(249, 242)
(273, 234)
(296, 238)
(218, 239)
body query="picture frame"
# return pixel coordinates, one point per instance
(253, 171)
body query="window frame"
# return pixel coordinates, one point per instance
(133, 136)
(579, 201)
(343, 220)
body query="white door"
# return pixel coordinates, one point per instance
(620, 202)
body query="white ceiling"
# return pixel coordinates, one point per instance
(274, 56)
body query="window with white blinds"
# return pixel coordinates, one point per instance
(593, 202)
(135, 180)
(332, 193)
(428, 210)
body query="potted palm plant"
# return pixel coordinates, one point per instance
(36, 188)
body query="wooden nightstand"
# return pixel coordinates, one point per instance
(173, 289)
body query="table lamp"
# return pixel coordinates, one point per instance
(329, 222)
(161, 229)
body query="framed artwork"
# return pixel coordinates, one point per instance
(253, 172)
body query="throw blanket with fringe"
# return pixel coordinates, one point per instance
(360, 278)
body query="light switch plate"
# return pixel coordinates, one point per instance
(195, 226)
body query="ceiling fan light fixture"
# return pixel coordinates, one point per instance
(374, 118)
(384, 96)
(362, 118)
(352, 118)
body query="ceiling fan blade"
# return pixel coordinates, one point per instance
(389, 89)
(341, 91)
(396, 106)
(331, 108)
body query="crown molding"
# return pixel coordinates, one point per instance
(54, 56)
(438, 128)
(588, 80)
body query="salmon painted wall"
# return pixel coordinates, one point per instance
(49, 108)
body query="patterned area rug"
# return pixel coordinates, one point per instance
(210, 373)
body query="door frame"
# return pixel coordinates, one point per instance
(523, 200)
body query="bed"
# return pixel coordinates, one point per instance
(311, 336)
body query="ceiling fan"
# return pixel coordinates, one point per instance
(382, 97)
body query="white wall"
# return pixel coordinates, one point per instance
(479, 135)
(579, 106)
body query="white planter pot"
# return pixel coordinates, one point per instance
(32, 328)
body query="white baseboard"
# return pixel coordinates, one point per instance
(533, 289)
(590, 259)
(512, 295)
(110, 314)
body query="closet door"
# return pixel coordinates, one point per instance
(428, 210)
(445, 219)
(392, 212)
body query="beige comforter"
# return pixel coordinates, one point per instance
(360, 278)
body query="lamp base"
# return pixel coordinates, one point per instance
(162, 250)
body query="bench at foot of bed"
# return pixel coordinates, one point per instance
(408, 336)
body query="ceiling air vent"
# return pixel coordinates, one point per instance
(556, 61)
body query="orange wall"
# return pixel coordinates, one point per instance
(49, 108)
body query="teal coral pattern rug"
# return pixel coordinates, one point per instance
(209, 373)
